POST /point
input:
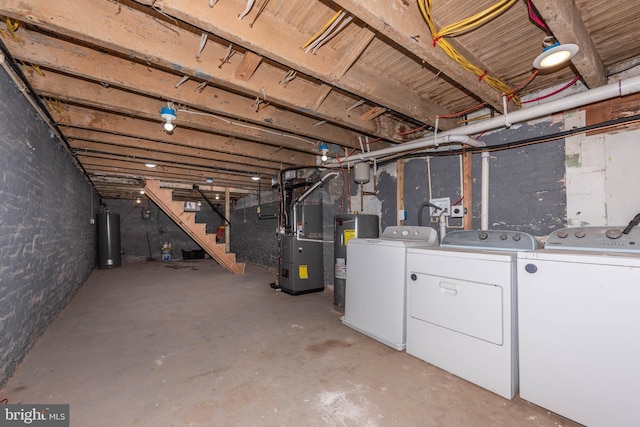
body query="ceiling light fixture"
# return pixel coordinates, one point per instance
(142, 191)
(256, 177)
(554, 54)
(169, 115)
(217, 197)
(209, 180)
(324, 148)
(150, 165)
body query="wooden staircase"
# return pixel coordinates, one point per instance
(163, 197)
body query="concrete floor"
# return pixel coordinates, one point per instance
(188, 344)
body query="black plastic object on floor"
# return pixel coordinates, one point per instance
(193, 254)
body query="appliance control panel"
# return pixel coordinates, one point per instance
(499, 240)
(409, 232)
(595, 238)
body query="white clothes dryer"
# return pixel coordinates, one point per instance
(461, 303)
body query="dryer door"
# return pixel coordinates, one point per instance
(466, 307)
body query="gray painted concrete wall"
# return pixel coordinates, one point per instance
(526, 190)
(134, 229)
(47, 243)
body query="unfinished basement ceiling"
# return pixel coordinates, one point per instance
(251, 101)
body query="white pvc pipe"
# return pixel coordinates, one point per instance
(443, 225)
(621, 88)
(414, 145)
(484, 193)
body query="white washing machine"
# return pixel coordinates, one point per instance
(375, 294)
(579, 325)
(461, 302)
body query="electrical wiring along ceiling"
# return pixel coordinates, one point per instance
(258, 86)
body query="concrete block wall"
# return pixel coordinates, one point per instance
(134, 229)
(47, 243)
(252, 239)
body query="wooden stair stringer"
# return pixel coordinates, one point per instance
(186, 221)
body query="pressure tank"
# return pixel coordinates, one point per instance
(109, 240)
(348, 227)
(361, 173)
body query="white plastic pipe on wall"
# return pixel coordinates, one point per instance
(623, 87)
(413, 145)
(460, 134)
(484, 193)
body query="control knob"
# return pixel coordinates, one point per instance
(517, 237)
(483, 235)
(563, 234)
(503, 236)
(405, 233)
(613, 233)
(580, 234)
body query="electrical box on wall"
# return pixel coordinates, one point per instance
(457, 211)
(443, 203)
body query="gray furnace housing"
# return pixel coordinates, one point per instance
(301, 261)
(349, 227)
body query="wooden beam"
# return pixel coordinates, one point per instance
(129, 152)
(566, 24)
(172, 47)
(349, 58)
(90, 64)
(323, 92)
(248, 66)
(122, 168)
(273, 40)
(130, 126)
(154, 148)
(401, 22)
(95, 95)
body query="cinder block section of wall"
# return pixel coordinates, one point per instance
(253, 239)
(135, 228)
(47, 242)
(526, 184)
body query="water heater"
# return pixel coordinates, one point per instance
(348, 227)
(109, 240)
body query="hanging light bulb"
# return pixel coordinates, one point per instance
(169, 115)
(217, 197)
(324, 148)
